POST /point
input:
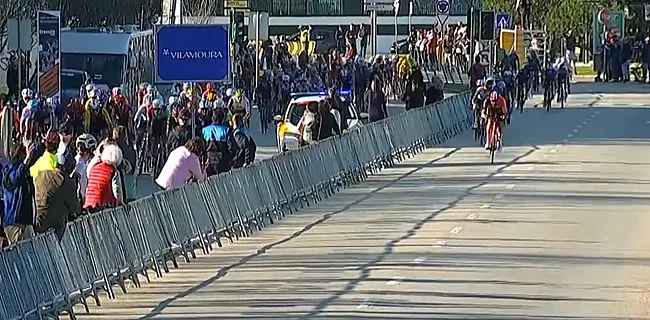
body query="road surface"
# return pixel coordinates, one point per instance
(557, 229)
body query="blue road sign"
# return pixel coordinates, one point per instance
(503, 20)
(193, 53)
(443, 6)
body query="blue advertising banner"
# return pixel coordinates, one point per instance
(49, 53)
(193, 53)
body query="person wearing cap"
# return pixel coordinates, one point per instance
(49, 159)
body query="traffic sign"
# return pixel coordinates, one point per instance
(193, 59)
(443, 7)
(605, 16)
(379, 7)
(236, 4)
(503, 20)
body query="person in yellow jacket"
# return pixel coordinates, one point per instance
(305, 38)
(97, 121)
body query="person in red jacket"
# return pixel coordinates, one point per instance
(105, 183)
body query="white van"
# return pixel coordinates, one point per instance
(103, 54)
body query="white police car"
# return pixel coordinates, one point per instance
(287, 124)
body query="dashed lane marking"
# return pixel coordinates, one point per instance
(456, 230)
(485, 206)
(565, 141)
(440, 244)
(579, 126)
(553, 151)
(472, 216)
(366, 304)
(395, 281)
(420, 260)
(510, 186)
(569, 136)
(575, 130)
(498, 196)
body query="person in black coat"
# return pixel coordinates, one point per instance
(325, 122)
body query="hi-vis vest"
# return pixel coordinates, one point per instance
(304, 36)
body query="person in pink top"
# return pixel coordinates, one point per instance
(182, 166)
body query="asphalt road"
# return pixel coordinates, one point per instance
(557, 229)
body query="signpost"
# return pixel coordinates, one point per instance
(443, 8)
(202, 56)
(19, 40)
(258, 30)
(49, 54)
(374, 6)
(503, 20)
(396, 5)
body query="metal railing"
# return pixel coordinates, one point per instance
(42, 277)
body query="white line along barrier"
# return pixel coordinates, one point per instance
(42, 276)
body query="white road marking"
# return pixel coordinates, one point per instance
(530, 168)
(565, 141)
(456, 230)
(597, 112)
(557, 146)
(395, 281)
(579, 126)
(647, 122)
(584, 122)
(472, 216)
(440, 244)
(419, 260)
(569, 136)
(575, 130)
(510, 186)
(553, 151)
(366, 304)
(498, 196)
(485, 206)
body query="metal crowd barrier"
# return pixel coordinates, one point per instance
(42, 277)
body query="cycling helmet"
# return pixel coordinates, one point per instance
(52, 138)
(187, 86)
(501, 85)
(26, 93)
(87, 140)
(117, 91)
(90, 87)
(143, 86)
(494, 96)
(230, 92)
(480, 82)
(172, 100)
(151, 88)
(239, 92)
(157, 103)
(92, 94)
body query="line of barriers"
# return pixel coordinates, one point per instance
(41, 278)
